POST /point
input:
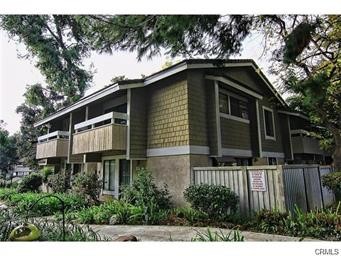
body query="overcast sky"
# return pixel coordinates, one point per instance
(16, 73)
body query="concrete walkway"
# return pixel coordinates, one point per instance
(178, 233)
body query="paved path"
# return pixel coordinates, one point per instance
(177, 233)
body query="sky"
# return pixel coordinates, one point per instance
(16, 73)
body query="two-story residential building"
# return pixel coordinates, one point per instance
(194, 113)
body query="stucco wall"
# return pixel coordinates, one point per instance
(175, 171)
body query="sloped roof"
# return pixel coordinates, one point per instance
(176, 68)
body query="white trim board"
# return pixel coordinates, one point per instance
(235, 118)
(234, 85)
(259, 129)
(294, 114)
(236, 152)
(179, 150)
(273, 154)
(267, 137)
(78, 104)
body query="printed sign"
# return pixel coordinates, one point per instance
(257, 180)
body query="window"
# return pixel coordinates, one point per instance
(239, 108)
(272, 160)
(223, 103)
(269, 123)
(109, 175)
(233, 106)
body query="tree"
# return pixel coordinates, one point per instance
(307, 58)
(39, 102)
(8, 154)
(56, 44)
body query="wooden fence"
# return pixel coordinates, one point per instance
(270, 187)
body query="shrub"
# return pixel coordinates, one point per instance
(190, 215)
(268, 221)
(333, 182)
(46, 172)
(30, 183)
(57, 182)
(50, 230)
(87, 185)
(22, 203)
(145, 194)
(114, 212)
(215, 200)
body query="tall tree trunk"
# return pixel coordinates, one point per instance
(337, 151)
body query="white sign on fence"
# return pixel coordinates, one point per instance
(257, 181)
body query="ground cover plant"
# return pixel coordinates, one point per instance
(22, 203)
(322, 224)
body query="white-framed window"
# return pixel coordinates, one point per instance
(272, 161)
(269, 123)
(232, 106)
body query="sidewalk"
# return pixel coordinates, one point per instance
(178, 233)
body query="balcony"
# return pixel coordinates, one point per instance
(54, 144)
(303, 143)
(102, 133)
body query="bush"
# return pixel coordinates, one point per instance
(50, 230)
(57, 182)
(114, 212)
(46, 172)
(30, 183)
(190, 215)
(271, 221)
(22, 202)
(145, 194)
(215, 200)
(87, 185)
(322, 224)
(333, 182)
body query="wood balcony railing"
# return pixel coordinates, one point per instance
(53, 144)
(304, 143)
(102, 133)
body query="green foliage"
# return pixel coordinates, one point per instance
(145, 194)
(46, 172)
(50, 230)
(87, 185)
(113, 212)
(22, 202)
(271, 221)
(190, 215)
(215, 200)
(30, 183)
(57, 182)
(322, 224)
(209, 236)
(333, 182)
(56, 44)
(8, 154)
(297, 41)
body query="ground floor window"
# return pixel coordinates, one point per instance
(116, 174)
(272, 160)
(109, 175)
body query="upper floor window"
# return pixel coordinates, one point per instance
(233, 105)
(269, 123)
